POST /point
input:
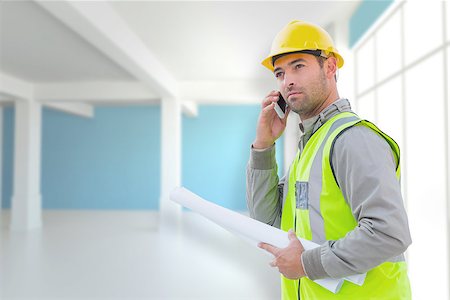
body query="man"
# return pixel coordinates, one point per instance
(342, 190)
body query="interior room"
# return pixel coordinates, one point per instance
(107, 106)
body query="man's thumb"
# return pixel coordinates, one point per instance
(291, 235)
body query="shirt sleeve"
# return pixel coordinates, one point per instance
(365, 170)
(264, 189)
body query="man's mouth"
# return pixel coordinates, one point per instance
(293, 93)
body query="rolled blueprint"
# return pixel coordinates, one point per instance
(251, 229)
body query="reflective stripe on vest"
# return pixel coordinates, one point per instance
(312, 185)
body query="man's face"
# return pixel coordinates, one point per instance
(302, 82)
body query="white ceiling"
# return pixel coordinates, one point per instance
(194, 41)
(220, 40)
(36, 47)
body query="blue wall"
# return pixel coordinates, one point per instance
(364, 16)
(216, 148)
(113, 160)
(109, 162)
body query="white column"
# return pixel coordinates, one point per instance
(26, 201)
(170, 160)
(1, 161)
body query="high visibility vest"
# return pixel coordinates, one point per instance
(389, 280)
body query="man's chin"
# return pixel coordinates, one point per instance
(295, 106)
(295, 109)
(294, 100)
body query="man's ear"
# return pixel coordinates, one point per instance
(331, 66)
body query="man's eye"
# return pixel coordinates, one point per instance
(278, 74)
(299, 66)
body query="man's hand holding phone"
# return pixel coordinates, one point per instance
(270, 124)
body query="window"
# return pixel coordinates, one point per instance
(422, 32)
(365, 66)
(366, 107)
(405, 90)
(390, 116)
(425, 171)
(389, 47)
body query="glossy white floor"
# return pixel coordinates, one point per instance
(122, 255)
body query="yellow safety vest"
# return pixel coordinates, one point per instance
(386, 281)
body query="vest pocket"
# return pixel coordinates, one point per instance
(301, 195)
(302, 224)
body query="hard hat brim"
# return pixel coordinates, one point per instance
(267, 62)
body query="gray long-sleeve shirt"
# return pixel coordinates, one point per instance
(364, 167)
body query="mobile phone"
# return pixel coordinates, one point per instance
(280, 107)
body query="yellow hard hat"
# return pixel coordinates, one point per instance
(299, 36)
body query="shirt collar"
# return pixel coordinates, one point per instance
(312, 124)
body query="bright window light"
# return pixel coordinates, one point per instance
(365, 65)
(447, 8)
(423, 28)
(389, 47)
(389, 110)
(425, 132)
(366, 107)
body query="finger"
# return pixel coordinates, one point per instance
(271, 97)
(269, 248)
(292, 235)
(269, 107)
(273, 263)
(273, 93)
(269, 110)
(269, 100)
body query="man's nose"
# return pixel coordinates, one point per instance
(288, 81)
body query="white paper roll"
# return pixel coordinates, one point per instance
(251, 229)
